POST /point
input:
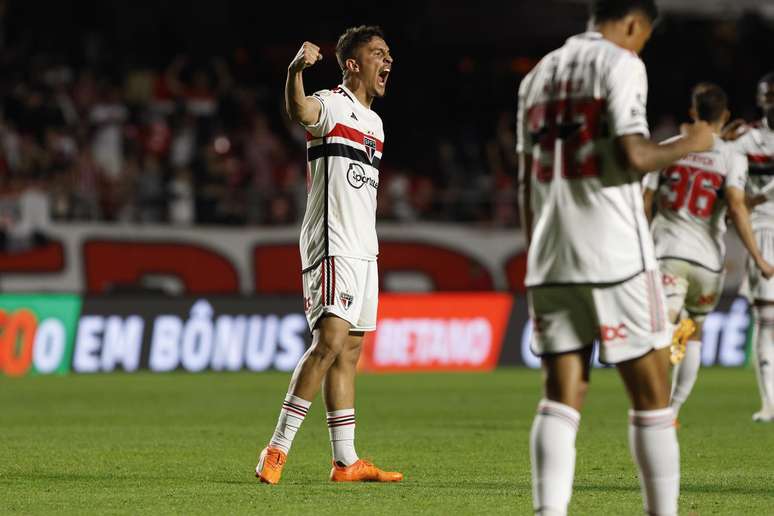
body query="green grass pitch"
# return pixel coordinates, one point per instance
(187, 444)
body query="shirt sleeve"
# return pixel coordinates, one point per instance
(737, 171)
(627, 88)
(323, 125)
(650, 181)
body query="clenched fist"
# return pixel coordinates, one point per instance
(307, 55)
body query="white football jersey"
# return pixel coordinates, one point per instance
(588, 220)
(690, 221)
(344, 148)
(758, 145)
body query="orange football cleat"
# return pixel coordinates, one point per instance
(363, 471)
(683, 332)
(270, 464)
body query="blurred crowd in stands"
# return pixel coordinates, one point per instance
(190, 144)
(202, 140)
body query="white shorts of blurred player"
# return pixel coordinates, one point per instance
(755, 285)
(690, 287)
(628, 319)
(345, 287)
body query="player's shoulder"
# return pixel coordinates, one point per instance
(337, 95)
(612, 55)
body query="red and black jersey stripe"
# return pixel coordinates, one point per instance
(760, 164)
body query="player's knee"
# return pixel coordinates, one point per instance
(329, 348)
(583, 389)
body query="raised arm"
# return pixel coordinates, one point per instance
(643, 155)
(737, 210)
(300, 108)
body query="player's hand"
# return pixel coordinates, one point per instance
(307, 55)
(767, 270)
(699, 136)
(733, 130)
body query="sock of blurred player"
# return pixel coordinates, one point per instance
(764, 355)
(291, 416)
(685, 374)
(552, 450)
(653, 444)
(341, 427)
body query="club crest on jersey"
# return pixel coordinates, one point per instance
(346, 300)
(370, 147)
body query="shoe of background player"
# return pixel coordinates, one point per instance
(270, 464)
(680, 337)
(764, 416)
(363, 471)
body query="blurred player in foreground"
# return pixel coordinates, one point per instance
(583, 142)
(338, 246)
(689, 229)
(757, 143)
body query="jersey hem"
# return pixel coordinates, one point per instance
(692, 262)
(582, 283)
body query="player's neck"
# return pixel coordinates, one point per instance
(613, 32)
(358, 89)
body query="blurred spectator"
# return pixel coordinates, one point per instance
(93, 134)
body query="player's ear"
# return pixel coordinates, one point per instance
(352, 65)
(631, 25)
(693, 114)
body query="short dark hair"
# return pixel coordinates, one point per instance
(608, 10)
(767, 79)
(352, 39)
(709, 100)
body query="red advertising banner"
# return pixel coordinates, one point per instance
(441, 332)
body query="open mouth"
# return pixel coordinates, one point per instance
(382, 78)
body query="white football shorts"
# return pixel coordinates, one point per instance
(345, 287)
(628, 319)
(690, 286)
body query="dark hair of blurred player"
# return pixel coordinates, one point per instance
(709, 103)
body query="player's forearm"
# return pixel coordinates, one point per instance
(647, 202)
(644, 156)
(524, 189)
(299, 107)
(741, 218)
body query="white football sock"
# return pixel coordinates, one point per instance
(552, 452)
(685, 374)
(653, 443)
(291, 416)
(764, 353)
(341, 427)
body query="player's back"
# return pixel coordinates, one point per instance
(758, 145)
(690, 220)
(588, 221)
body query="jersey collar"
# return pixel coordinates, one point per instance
(353, 97)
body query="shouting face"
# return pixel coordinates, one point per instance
(373, 66)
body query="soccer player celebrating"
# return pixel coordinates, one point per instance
(338, 246)
(583, 143)
(689, 229)
(757, 143)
